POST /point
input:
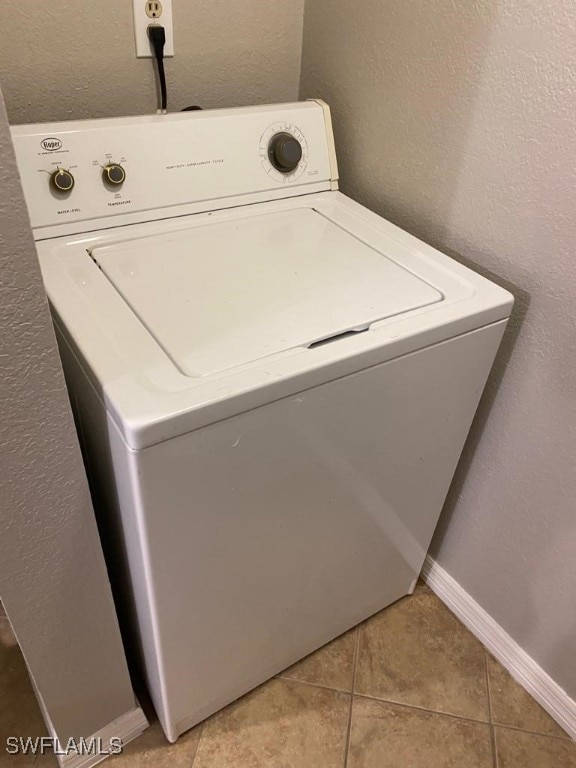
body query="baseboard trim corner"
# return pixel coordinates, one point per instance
(521, 666)
(126, 727)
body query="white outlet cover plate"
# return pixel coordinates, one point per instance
(141, 23)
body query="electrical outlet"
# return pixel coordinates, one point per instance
(153, 9)
(148, 12)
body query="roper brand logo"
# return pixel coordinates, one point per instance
(51, 144)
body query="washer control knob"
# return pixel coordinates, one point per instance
(284, 152)
(113, 174)
(61, 180)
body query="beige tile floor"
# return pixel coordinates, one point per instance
(409, 688)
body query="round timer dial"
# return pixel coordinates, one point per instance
(283, 152)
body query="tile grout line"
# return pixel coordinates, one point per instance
(398, 703)
(533, 733)
(422, 709)
(489, 694)
(354, 669)
(307, 682)
(201, 725)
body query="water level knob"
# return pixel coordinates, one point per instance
(61, 180)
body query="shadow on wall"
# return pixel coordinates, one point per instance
(521, 305)
(414, 70)
(416, 77)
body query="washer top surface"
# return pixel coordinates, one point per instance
(186, 321)
(227, 293)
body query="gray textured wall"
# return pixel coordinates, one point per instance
(76, 58)
(53, 582)
(457, 122)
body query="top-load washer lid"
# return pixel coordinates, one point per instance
(219, 295)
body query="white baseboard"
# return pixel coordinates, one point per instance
(520, 665)
(126, 727)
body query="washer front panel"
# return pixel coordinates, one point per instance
(280, 528)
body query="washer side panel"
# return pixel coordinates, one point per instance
(112, 470)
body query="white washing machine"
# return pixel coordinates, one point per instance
(272, 384)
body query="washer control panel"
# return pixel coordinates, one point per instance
(161, 165)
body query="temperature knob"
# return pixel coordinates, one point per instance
(113, 174)
(61, 180)
(284, 152)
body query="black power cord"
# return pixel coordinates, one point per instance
(157, 35)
